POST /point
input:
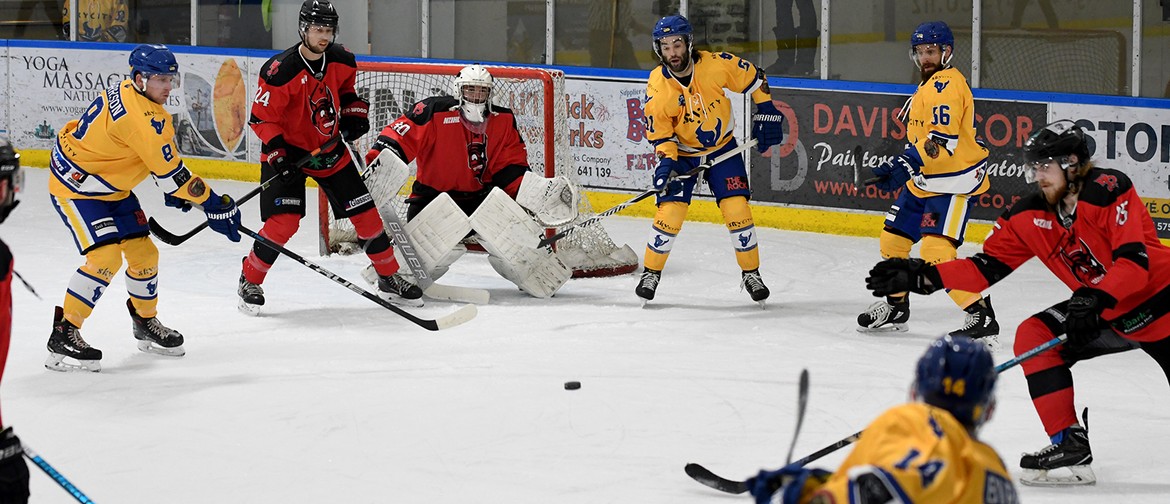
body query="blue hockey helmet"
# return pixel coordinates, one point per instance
(670, 26)
(932, 32)
(154, 59)
(957, 373)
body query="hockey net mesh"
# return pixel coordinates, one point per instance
(1067, 61)
(536, 97)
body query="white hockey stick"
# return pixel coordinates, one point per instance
(401, 239)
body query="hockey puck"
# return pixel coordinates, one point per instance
(572, 385)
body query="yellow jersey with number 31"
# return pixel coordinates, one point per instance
(695, 120)
(917, 453)
(941, 126)
(120, 139)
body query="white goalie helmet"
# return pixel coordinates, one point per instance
(475, 104)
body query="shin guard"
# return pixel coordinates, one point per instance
(90, 281)
(667, 224)
(142, 274)
(737, 215)
(939, 249)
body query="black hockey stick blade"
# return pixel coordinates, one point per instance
(706, 477)
(857, 166)
(463, 314)
(173, 239)
(873, 180)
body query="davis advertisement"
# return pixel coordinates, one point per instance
(49, 87)
(816, 166)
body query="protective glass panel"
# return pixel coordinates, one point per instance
(1156, 48)
(607, 33)
(240, 24)
(488, 30)
(870, 40)
(781, 36)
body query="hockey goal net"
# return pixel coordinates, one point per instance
(537, 98)
(1052, 60)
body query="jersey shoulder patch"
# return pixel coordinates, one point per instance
(1104, 186)
(422, 112)
(282, 68)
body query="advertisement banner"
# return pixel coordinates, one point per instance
(816, 166)
(48, 88)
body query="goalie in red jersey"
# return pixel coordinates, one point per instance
(473, 175)
(1090, 228)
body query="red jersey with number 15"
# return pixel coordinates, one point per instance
(1111, 246)
(450, 156)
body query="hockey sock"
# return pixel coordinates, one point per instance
(372, 238)
(737, 215)
(667, 223)
(90, 282)
(142, 274)
(279, 228)
(894, 245)
(1050, 382)
(939, 249)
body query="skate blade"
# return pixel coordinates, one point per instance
(400, 301)
(151, 348)
(763, 304)
(248, 308)
(991, 342)
(57, 362)
(1081, 475)
(897, 327)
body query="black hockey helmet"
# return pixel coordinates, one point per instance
(11, 178)
(1057, 141)
(320, 13)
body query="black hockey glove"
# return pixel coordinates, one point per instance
(1084, 323)
(13, 471)
(893, 276)
(355, 119)
(283, 159)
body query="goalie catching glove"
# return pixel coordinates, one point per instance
(553, 200)
(897, 275)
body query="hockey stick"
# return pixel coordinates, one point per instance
(708, 478)
(467, 312)
(544, 242)
(58, 477)
(802, 401)
(170, 238)
(397, 232)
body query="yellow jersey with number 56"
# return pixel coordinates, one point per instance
(694, 120)
(941, 126)
(121, 138)
(916, 453)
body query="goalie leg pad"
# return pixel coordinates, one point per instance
(553, 200)
(436, 232)
(510, 235)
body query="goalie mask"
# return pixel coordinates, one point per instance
(11, 178)
(473, 88)
(317, 13)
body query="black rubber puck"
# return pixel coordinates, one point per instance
(572, 385)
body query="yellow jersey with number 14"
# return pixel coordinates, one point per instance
(941, 126)
(695, 120)
(121, 138)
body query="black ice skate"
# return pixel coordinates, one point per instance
(755, 286)
(251, 296)
(154, 337)
(65, 342)
(980, 324)
(399, 291)
(883, 316)
(648, 285)
(1068, 459)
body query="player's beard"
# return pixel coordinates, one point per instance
(928, 72)
(1054, 193)
(682, 65)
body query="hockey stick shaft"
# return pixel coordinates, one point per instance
(170, 238)
(801, 403)
(467, 312)
(626, 204)
(57, 476)
(708, 478)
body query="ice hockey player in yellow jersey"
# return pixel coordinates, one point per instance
(688, 121)
(941, 168)
(925, 451)
(124, 136)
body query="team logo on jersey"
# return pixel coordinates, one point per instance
(477, 158)
(272, 68)
(1079, 259)
(709, 138)
(323, 110)
(152, 286)
(940, 85)
(1109, 182)
(157, 125)
(418, 108)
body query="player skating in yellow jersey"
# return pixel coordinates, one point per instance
(925, 451)
(688, 120)
(124, 136)
(942, 166)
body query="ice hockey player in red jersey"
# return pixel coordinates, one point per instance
(13, 471)
(306, 97)
(473, 175)
(1090, 228)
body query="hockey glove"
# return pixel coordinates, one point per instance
(176, 202)
(893, 276)
(767, 126)
(13, 471)
(668, 168)
(1083, 323)
(790, 480)
(222, 216)
(894, 174)
(283, 158)
(355, 119)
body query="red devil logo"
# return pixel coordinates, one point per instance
(323, 110)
